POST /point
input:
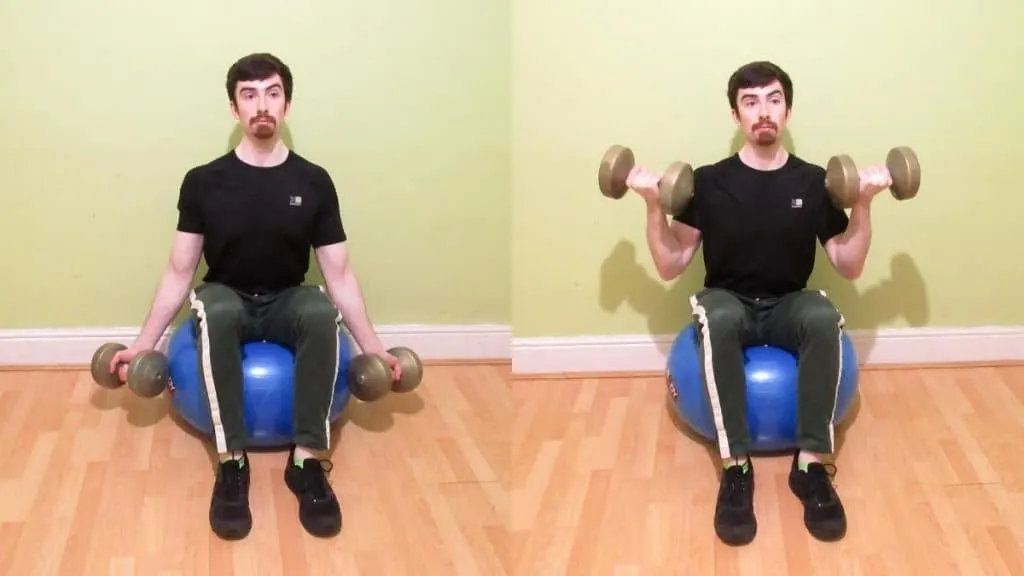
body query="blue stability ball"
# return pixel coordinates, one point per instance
(771, 390)
(268, 383)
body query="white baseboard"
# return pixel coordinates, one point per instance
(642, 353)
(626, 353)
(75, 346)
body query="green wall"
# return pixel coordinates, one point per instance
(868, 76)
(106, 105)
(465, 139)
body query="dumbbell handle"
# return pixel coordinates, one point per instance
(843, 178)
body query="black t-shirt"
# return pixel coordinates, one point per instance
(259, 223)
(759, 227)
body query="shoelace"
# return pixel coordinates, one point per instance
(230, 487)
(315, 473)
(735, 486)
(821, 476)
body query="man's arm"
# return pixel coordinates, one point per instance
(848, 240)
(174, 286)
(344, 289)
(848, 251)
(672, 246)
(186, 250)
(332, 255)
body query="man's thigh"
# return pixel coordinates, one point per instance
(298, 311)
(798, 316)
(722, 311)
(219, 307)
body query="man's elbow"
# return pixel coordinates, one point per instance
(336, 279)
(669, 271)
(850, 270)
(180, 272)
(853, 273)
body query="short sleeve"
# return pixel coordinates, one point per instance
(833, 221)
(327, 225)
(690, 215)
(190, 213)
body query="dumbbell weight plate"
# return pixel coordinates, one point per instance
(369, 377)
(676, 188)
(905, 171)
(100, 367)
(614, 170)
(412, 369)
(148, 374)
(842, 181)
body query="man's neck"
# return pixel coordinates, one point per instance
(263, 153)
(771, 157)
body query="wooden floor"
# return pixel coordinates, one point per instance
(931, 471)
(477, 475)
(100, 482)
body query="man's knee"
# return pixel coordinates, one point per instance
(816, 314)
(314, 312)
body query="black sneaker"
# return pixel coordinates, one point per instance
(319, 511)
(230, 517)
(824, 515)
(735, 522)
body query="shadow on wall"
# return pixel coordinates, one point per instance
(667, 308)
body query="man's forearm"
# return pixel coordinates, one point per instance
(856, 240)
(347, 296)
(170, 294)
(661, 242)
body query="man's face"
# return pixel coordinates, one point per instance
(761, 113)
(260, 106)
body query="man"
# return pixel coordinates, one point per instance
(254, 213)
(758, 214)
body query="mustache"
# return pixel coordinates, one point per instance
(765, 124)
(260, 117)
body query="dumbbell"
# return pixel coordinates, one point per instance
(148, 372)
(674, 189)
(370, 378)
(843, 181)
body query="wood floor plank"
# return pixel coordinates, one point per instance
(102, 482)
(931, 469)
(479, 474)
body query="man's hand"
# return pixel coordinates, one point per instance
(392, 362)
(119, 363)
(873, 179)
(396, 370)
(645, 183)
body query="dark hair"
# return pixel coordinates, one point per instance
(756, 75)
(259, 66)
